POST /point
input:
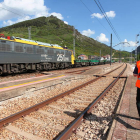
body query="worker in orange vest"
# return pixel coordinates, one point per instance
(136, 73)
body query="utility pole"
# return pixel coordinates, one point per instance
(100, 53)
(120, 56)
(131, 58)
(136, 48)
(74, 41)
(29, 32)
(110, 49)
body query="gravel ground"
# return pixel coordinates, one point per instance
(8, 135)
(96, 124)
(71, 103)
(63, 104)
(17, 104)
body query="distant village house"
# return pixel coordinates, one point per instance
(83, 57)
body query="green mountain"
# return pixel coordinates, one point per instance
(53, 30)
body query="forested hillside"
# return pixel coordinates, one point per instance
(54, 31)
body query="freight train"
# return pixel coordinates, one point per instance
(19, 54)
(91, 62)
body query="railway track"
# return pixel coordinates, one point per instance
(86, 113)
(50, 119)
(17, 76)
(79, 71)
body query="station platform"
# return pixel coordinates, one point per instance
(126, 124)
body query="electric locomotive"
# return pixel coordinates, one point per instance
(19, 54)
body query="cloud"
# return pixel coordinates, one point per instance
(15, 8)
(97, 15)
(13, 11)
(66, 22)
(88, 32)
(132, 44)
(110, 14)
(102, 38)
(10, 22)
(58, 15)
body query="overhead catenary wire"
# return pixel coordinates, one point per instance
(107, 19)
(110, 21)
(10, 11)
(95, 17)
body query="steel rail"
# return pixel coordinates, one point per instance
(72, 127)
(27, 111)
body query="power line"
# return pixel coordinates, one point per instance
(95, 17)
(11, 11)
(107, 19)
(104, 13)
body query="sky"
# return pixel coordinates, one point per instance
(85, 16)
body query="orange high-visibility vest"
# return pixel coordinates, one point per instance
(138, 77)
